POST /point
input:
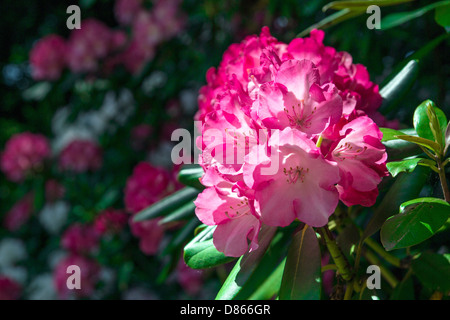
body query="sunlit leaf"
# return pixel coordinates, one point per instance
(425, 123)
(361, 4)
(442, 15)
(422, 142)
(418, 220)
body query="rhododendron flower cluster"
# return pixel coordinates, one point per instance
(19, 214)
(24, 153)
(145, 186)
(9, 289)
(288, 131)
(97, 48)
(81, 156)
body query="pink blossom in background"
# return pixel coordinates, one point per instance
(48, 58)
(80, 238)
(87, 45)
(145, 186)
(24, 153)
(140, 136)
(9, 289)
(190, 280)
(54, 190)
(126, 10)
(110, 221)
(80, 156)
(89, 276)
(20, 213)
(150, 234)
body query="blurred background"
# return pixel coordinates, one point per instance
(86, 118)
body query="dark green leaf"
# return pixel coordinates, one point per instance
(186, 210)
(189, 175)
(391, 134)
(302, 273)
(396, 19)
(201, 253)
(361, 4)
(442, 15)
(332, 20)
(433, 270)
(398, 85)
(404, 290)
(406, 186)
(245, 266)
(270, 287)
(418, 220)
(168, 204)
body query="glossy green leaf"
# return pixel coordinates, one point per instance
(398, 18)
(406, 186)
(398, 85)
(447, 138)
(269, 287)
(201, 253)
(189, 175)
(245, 266)
(442, 15)
(399, 149)
(421, 142)
(302, 273)
(433, 270)
(391, 134)
(275, 252)
(332, 20)
(361, 4)
(185, 211)
(168, 204)
(425, 122)
(408, 165)
(418, 220)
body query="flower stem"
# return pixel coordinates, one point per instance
(443, 179)
(339, 259)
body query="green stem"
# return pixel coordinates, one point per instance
(339, 259)
(396, 262)
(443, 179)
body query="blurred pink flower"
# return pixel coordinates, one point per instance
(80, 156)
(87, 45)
(126, 10)
(80, 238)
(140, 136)
(24, 153)
(19, 214)
(9, 289)
(54, 190)
(150, 234)
(145, 186)
(89, 276)
(48, 58)
(110, 221)
(190, 280)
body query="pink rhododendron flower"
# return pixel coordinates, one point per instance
(145, 186)
(286, 132)
(235, 216)
(110, 221)
(150, 234)
(48, 58)
(24, 153)
(361, 159)
(89, 274)
(9, 289)
(19, 214)
(80, 238)
(303, 180)
(80, 156)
